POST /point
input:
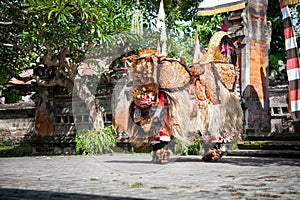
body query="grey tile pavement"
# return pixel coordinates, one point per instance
(133, 176)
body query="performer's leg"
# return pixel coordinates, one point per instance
(207, 147)
(158, 146)
(161, 153)
(217, 145)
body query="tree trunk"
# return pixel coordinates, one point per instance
(85, 94)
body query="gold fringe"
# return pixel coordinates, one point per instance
(221, 10)
(290, 2)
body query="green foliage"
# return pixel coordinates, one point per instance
(277, 46)
(76, 23)
(95, 141)
(30, 26)
(176, 12)
(273, 61)
(32, 29)
(207, 26)
(193, 149)
(14, 151)
(11, 96)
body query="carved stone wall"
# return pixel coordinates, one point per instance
(16, 121)
(281, 121)
(17, 124)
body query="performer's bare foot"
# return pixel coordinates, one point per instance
(162, 156)
(213, 155)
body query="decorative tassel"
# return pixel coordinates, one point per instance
(197, 52)
(161, 13)
(158, 47)
(163, 38)
(137, 21)
(181, 59)
(164, 49)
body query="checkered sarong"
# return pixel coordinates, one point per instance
(293, 62)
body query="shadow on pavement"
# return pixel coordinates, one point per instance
(129, 161)
(241, 161)
(35, 194)
(246, 161)
(173, 159)
(260, 161)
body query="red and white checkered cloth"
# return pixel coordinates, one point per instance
(293, 62)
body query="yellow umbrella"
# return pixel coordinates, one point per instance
(212, 7)
(290, 2)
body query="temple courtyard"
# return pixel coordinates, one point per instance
(133, 176)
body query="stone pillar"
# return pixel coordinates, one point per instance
(254, 69)
(251, 32)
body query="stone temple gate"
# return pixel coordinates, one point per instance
(251, 31)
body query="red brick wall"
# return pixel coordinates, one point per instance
(258, 69)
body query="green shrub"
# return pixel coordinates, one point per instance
(96, 141)
(14, 151)
(193, 149)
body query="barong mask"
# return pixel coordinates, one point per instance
(152, 76)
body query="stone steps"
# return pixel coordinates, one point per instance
(270, 145)
(277, 145)
(264, 153)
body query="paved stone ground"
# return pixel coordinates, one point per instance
(133, 176)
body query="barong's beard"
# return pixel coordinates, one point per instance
(152, 121)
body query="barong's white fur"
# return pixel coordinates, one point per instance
(210, 120)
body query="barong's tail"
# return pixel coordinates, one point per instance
(224, 112)
(210, 120)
